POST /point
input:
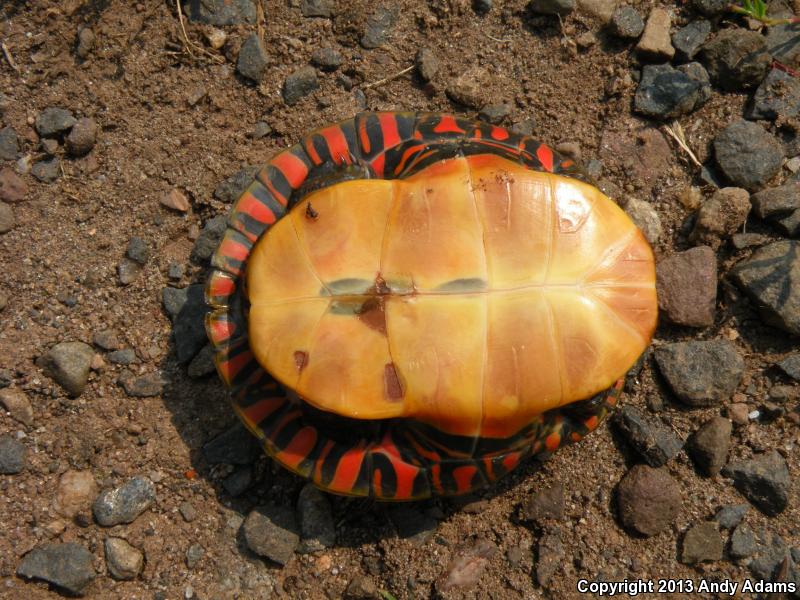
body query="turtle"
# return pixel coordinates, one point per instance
(407, 305)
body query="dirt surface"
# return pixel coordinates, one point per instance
(168, 119)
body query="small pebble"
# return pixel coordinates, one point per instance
(253, 58)
(86, 41)
(764, 480)
(271, 531)
(655, 43)
(66, 566)
(176, 200)
(9, 144)
(81, 138)
(123, 560)
(708, 446)
(124, 503)
(702, 543)
(317, 528)
(12, 187)
(731, 515)
(194, 553)
(7, 220)
(495, 113)
(76, 492)
(68, 364)
(260, 130)
(327, 58)
(54, 121)
(648, 499)
(128, 271)
(299, 84)
(138, 250)
(13, 455)
(47, 171)
(315, 8)
(17, 404)
(627, 23)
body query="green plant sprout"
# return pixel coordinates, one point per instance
(757, 9)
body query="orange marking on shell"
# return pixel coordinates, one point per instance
(591, 423)
(510, 461)
(552, 441)
(488, 467)
(545, 156)
(575, 436)
(463, 477)
(391, 137)
(378, 163)
(448, 124)
(294, 169)
(498, 133)
(221, 330)
(376, 483)
(363, 137)
(406, 155)
(337, 144)
(317, 477)
(566, 164)
(436, 478)
(231, 367)
(260, 410)
(312, 151)
(278, 196)
(250, 205)
(233, 249)
(297, 450)
(347, 470)
(220, 285)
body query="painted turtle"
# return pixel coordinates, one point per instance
(410, 304)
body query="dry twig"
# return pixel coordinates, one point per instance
(189, 44)
(387, 79)
(9, 58)
(676, 133)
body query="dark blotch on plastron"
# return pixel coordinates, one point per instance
(311, 213)
(393, 389)
(472, 284)
(300, 359)
(349, 285)
(373, 314)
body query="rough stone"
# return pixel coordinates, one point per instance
(202, 364)
(138, 250)
(721, 216)
(234, 186)
(646, 218)
(176, 200)
(702, 543)
(194, 554)
(66, 566)
(781, 206)
(552, 7)
(466, 566)
(708, 446)
(711, 8)
(9, 144)
(771, 554)
(688, 40)
(412, 524)
(627, 23)
(124, 562)
(427, 63)
(742, 241)
(189, 324)
(16, 402)
(783, 43)
(76, 492)
(124, 503)
(791, 366)
(777, 96)
(551, 557)
(701, 373)
(686, 285)
(54, 121)
(361, 587)
(764, 480)
(317, 529)
(655, 43)
(128, 270)
(544, 505)
(48, 170)
(142, 386)
(82, 137)
(327, 58)
(299, 84)
(221, 12)
(238, 482)
(86, 41)
(234, 446)
(653, 440)
(13, 455)
(667, 93)
(209, 238)
(7, 219)
(648, 500)
(12, 187)
(253, 58)
(743, 542)
(495, 113)
(126, 356)
(469, 88)
(599, 10)
(68, 364)
(378, 27)
(315, 8)
(771, 277)
(747, 155)
(271, 531)
(736, 58)
(731, 515)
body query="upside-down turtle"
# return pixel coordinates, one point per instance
(409, 304)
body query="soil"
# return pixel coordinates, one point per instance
(170, 119)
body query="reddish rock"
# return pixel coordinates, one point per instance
(648, 500)
(687, 287)
(12, 187)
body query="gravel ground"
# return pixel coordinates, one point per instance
(126, 130)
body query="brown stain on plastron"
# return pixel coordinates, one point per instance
(392, 387)
(373, 314)
(300, 359)
(311, 213)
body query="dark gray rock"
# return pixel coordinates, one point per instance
(299, 84)
(742, 241)
(779, 205)
(771, 277)
(82, 137)
(315, 8)
(138, 250)
(731, 515)
(54, 121)
(253, 58)
(551, 554)
(709, 445)
(721, 216)
(202, 364)
(68, 364)
(221, 12)
(427, 64)
(653, 440)
(7, 220)
(234, 446)
(627, 23)
(747, 155)
(125, 356)
(688, 40)
(66, 566)
(174, 299)
(238, 482)
(552, 7)
(9, 143)
(702, 543)
(142, 386)
(791, 366)
(701, 373)
(378, 27)
(777, 96)
(736, 58)
(194, 554)
(271, 531)
(495, 113)
(482, 7)
(125, 503)
(234, 186)
(763, 480)
(48, 170)
(124, 562)
(711, 8)
(687, 287)
(209, 238)
(666, 93)
(317, 529)
(743, 542)
(327, 58)
(189, 325)
(771, 552)
(13, 455)
(544, 505)
(783, 42)
(412, 524)
(648, 500)
(646, 218)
